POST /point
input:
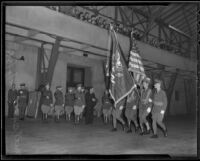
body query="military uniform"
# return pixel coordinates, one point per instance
(146, 96)
(106, 107)
(116, 113)
(47, 100)
(145, 105)
(59, 102)
(91, 101)
(159, 108)
(69, 103)
(131, 109)
(23, 98)
(79, 104)
(12, 98)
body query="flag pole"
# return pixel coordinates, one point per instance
(126, 63)
(107, 73)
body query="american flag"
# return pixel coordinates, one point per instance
(135, 63)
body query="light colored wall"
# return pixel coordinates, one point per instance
(26, 71)
(65, 26)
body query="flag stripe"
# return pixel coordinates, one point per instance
(135, 64)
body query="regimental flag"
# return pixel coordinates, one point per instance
(135, 63)
(121, 81)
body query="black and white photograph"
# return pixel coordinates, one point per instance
(99, 80)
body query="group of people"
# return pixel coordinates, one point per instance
(78, 101)
(17, 97)
(81, 100)
(138, 105)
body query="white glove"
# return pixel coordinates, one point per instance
(134, 107)
(93, 99)
(63, 105)
(148, 109)
(83, 106)
(150, 100)
(162, 112)
(121, 107)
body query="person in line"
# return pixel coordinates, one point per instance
(159, 108)
(131, 109)
(47, 101)
(107, 107)
(145, 105)
(83, 91)
(59, 102)
(116, 113)
(23, 98)
(12, 100)
(69, 103)
(79, 103)
(91, 101)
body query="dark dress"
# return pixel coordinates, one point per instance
(90, 104)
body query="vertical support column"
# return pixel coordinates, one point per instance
(161, 74)
(187, 101)
(39, 67)
(116, 14)
(159, 33)
(40, 79)
(170, 90)
(53, 60)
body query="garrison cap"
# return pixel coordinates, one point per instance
(57, 87)
(79, 85)
(147, 80)
(158, 81)
(22, 84)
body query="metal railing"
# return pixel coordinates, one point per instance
(125, 30)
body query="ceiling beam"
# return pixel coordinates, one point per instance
(123, 13)
(173, 12)
(159, 21)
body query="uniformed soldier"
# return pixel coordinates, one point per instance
(83, 91)
(145, 105)
(59, 102)
(12, 101)
(79, 103)
(23, 98)
(69, 103)
(90, 102)
(159, 108)
(106, 106)
(131, 109)
(116, 113)
(47, 101)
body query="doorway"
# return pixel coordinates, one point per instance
(75, 75)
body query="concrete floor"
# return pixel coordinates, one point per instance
(39, 137)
